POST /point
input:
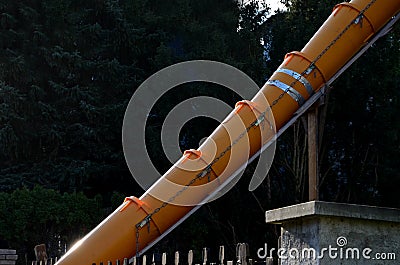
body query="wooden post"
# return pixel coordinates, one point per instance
(313, 154)
(242, 253)
(205, 258)
(176, 260)
(221, 255)
(190, 257)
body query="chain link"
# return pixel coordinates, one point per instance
(260, 119)
(137, 243)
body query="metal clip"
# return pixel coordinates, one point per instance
(310, 69)
(293, 93)
(145, 221)
(206, 171)
(260, 119)
(203, 174)
(359, 19)
(299, 78)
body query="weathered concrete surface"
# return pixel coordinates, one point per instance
(338, 233)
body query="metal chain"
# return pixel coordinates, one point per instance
(257, 122)
(312, 64)
(137, 243)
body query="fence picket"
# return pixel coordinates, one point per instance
(176, 260)
(205, 256)
(221, 255)
(190, 257)
(242, 258)
(242, 253)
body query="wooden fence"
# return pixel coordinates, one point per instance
(50, 261)
(242, 258)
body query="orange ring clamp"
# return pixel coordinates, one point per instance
(199, 154)
(239, 105)
(129, 200)
(189, 152)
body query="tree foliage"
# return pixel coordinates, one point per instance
(30, 217)
(67, 71)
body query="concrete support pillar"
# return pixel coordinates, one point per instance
(322, 233)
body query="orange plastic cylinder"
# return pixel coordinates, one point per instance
(301, 74)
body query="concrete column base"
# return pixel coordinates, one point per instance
(322, 233)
